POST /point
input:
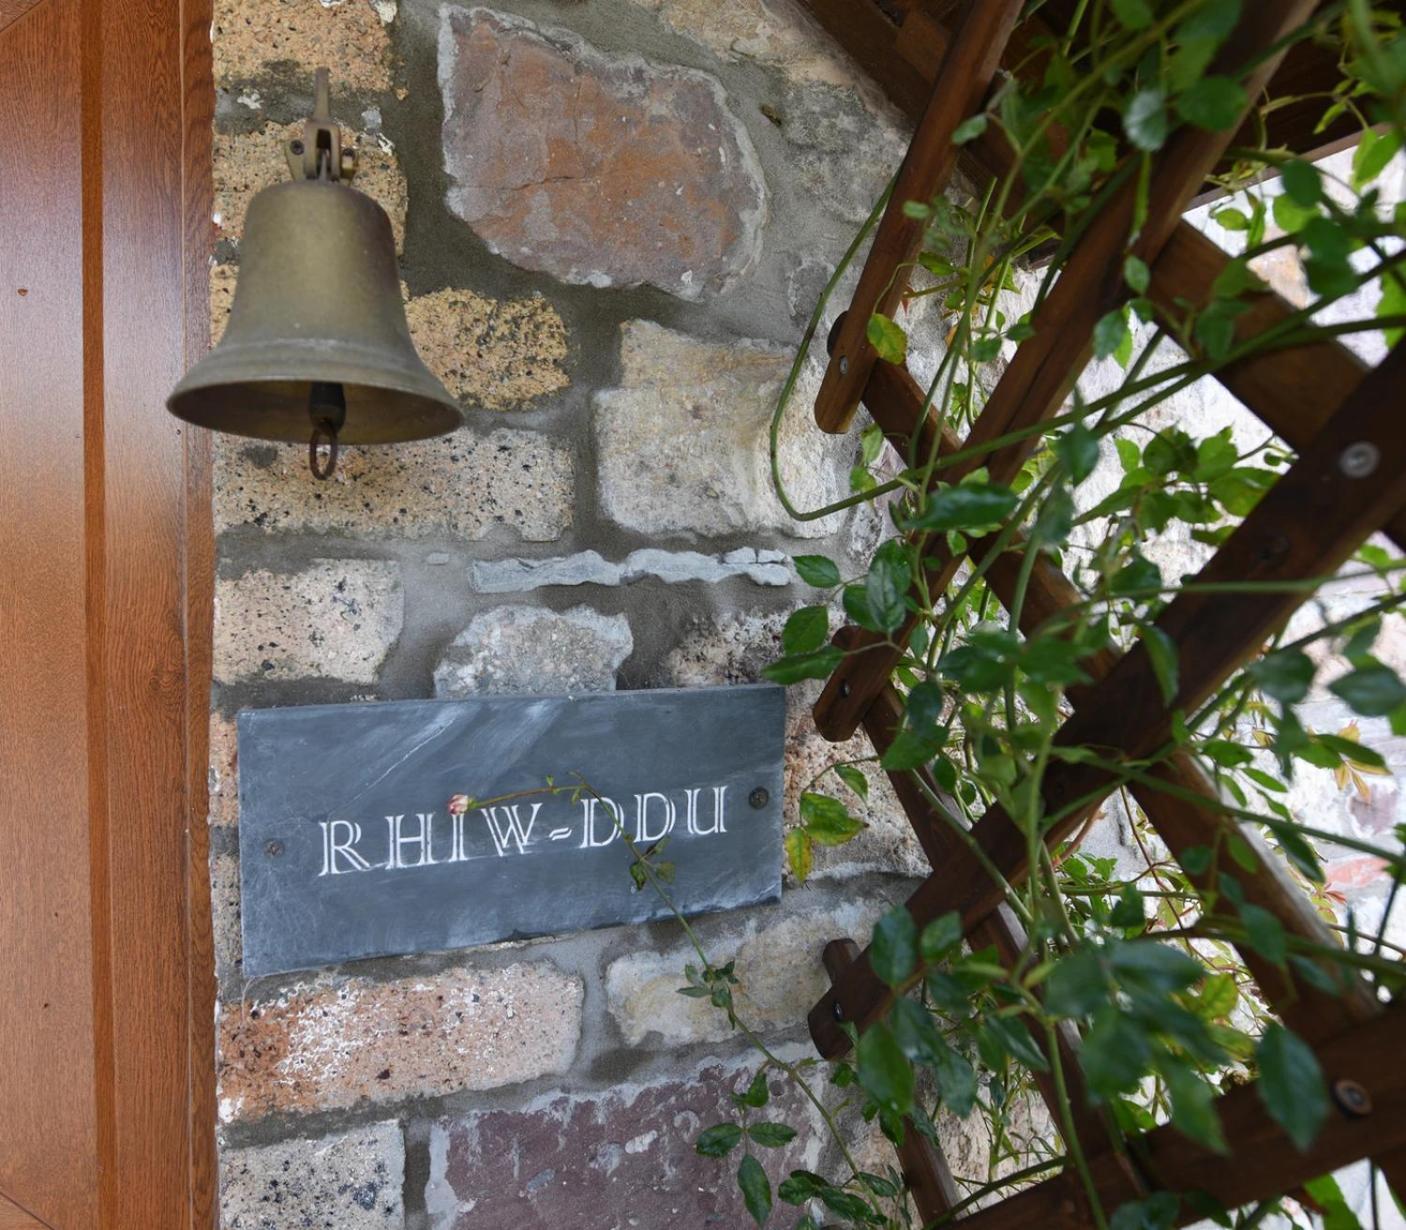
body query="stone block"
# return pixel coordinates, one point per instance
(534, 651)
(733, 648)
(253, 37)
(247, 162)
(595, 168)
(683, 439)
(607, 1160)
(223, 778)
(778, 964)
(462, 485)
(346, 1181)
(334, 1043)
(775, 33)
(504, 576)
(224, 915)
(494, 354)
(336, 619)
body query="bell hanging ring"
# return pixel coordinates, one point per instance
(317, 349)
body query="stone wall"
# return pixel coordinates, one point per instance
(614, 217)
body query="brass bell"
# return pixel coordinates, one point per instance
(317, 347)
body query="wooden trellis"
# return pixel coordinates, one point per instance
(1340, 417)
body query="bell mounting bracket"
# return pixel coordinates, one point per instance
(318, 153)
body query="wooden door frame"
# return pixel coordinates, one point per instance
(144, 117)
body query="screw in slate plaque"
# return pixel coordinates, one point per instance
(273, 848)
(759, 798)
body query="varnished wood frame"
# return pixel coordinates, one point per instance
(133, 1083)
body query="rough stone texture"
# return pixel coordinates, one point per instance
(595, 168)
(331, 1045)
(222, 283)
(461, 486)
(336, 619)
(347, 1181)
(251, 37)
(495, 355)
(224, 912)
(844, 153)
(533, 651)
(778, 963)
(683, 440)
(604, 1161)
(223, 778)
(248, 162)
(733, 648)
(505, 576)
(776, 33)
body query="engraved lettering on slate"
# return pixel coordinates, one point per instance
(360, 833)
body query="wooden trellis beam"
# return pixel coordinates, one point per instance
(1261, 1161)
(1302, 530)
(968, 65)
(1045, 365)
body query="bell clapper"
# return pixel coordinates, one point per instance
(327, 407)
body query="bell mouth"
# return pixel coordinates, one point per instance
(279, 410)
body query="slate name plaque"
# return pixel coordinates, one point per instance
(353, 844)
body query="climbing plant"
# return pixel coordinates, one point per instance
(1142, 960)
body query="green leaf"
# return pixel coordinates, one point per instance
(1136, 273)
(887, 338)
(1392, 303)
(940, 936)
(1284, 675)
(1265, 933)
(1154, 966)
(886, 587)
(909, 750)
(1109, 333)
(1145, 121)
(800, 1186)
(1291, 1084)
(1115, 1053)
(816, 570)
(827, 821)
(969, 129)
(1077, 451)
(1076, 986)
(800, 850)
(1373, 690)
(1289, 215)
(893, 950)
(1193, 1106)
(1329, 1197)
(1215, 103)
(1301, 182)
(966, 506)
(757, 1094)
(1128, 913)
(1013, 1038)
(1157, 1212)
(818, 665)
(756, 1189)
(1134, 14)
(854, 778)
(884, 1070)
(1232, 219)
(772, 1135)
(719, 1141)
(1373, 152)
(806, 630)
(1162, 653)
